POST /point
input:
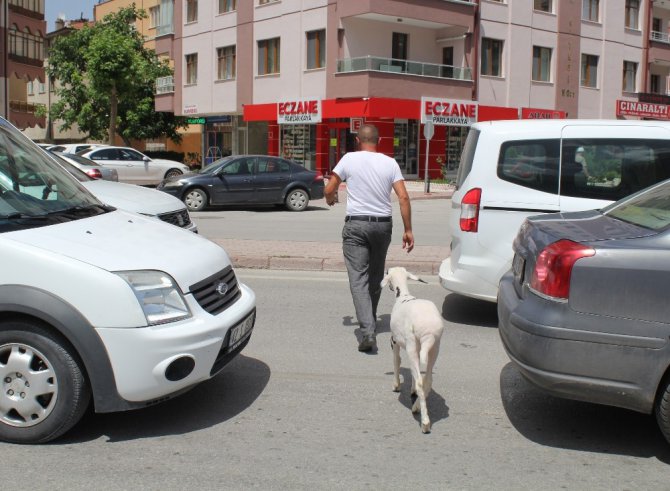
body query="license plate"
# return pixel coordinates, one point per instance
(240, 331)
(518, 266)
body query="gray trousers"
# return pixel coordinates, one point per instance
(364, 245)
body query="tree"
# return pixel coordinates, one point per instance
(106, 79)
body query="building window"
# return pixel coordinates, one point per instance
(191, 10)
(542, 5)
(492, 57)
(32, 5)
(25, 45)
(227, 6)
(42, 88)
(31, 88)
(541, 64)
(590, 10)
(268, 56)
(655, 84)
(263, 2)
(629, 76)
(589, 71)
(226, 63)
(192, 69)
(154, 16)
(316, 49)
(632, 13)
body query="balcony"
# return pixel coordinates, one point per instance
(403, 67)
(661, 37)
(24, 107)
(164, 30)
(164, 85)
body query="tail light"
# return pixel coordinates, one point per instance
(318, 177)
(470, 210)
(553, 269)
(94, 173)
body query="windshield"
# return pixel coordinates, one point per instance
(648, 208)
(215, 166)
(34, 190)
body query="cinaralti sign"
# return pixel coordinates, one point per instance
(299, 112)
(448, 112)
(642, 109)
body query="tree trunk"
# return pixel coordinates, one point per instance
(113, 102)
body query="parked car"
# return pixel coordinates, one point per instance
(138, 199)
(584, 311)
(134, 167)
(510, 170)
(89, 167)
(101, 306)
(72, 148)
(247, 180)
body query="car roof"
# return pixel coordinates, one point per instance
(540, 125)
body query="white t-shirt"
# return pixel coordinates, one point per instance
(370, 177)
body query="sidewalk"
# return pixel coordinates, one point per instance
(327, 256)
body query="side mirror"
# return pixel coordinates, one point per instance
(146, 159)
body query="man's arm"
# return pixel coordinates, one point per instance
(330, 191)
(406, 214)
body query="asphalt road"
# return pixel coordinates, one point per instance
(301, 408)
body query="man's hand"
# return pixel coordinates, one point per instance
(330, 191)
(408, 241)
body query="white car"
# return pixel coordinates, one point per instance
(89, 167)
(145, 201)
(101, 307)
(134, 167)
(510, 170)
(72, 148)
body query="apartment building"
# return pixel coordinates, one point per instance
(22, 32)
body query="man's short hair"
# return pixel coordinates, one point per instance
(368, 133)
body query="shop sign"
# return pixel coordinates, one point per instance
(195, 120)
(299, 112)
(227, 119)
(355, 124)
(531, 113)
(448, 112)
(641, 109)
(191, 109)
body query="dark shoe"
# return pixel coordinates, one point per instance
(368, 343)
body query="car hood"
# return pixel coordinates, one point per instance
(133, 198)
(121, 241)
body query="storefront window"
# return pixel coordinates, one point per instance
(219, 141)
(455, 136)
(298, 143)
(405, 140)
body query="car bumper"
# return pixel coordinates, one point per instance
(141, 358)
(466, 282)
(556, 349)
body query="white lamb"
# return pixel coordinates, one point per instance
(416, 326)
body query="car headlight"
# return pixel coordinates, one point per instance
(171, 184)
(159, 296)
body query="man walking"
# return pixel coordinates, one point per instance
(366, 236)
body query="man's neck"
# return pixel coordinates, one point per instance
(368, 147)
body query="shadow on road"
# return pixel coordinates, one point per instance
(575, 425)
(208, 404)
(259, 208)
(437, 406)
(469, 311)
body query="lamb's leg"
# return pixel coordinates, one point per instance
(430, 347)
(396, 365)
(420, 403)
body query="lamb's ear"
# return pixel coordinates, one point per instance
(412, 276)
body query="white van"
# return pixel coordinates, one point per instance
(513, 169)
(101, 305)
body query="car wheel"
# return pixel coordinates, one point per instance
(173, 173)
(297, 200)
(663, 410)
(196, 199)
(44, 390)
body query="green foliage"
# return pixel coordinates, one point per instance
(104, 69)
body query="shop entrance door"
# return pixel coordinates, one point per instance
(341, 141)
(405, 143)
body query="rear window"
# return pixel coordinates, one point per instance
(649, 209)
(467, 156)
(611, 169)
(530, 163)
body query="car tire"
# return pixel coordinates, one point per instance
(44, 389)
(173, 173)
(297, 200)
(662, 410)
(196, 199)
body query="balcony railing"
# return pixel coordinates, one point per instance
(661, 37)
(164, 85)
(164, 30)
(407, 67)
(24, 107)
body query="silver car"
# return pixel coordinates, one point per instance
(134, 167)
(584, 311)
(89, 167)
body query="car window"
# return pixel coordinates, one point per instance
(649, 209)
(79, 148)
(530, 163)
(268, 165)
(57, 148)
(105, 154)
(242, 166)
(129, 155)
(467, 157)
(611, 169)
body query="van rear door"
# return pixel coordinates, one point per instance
(604, 163)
